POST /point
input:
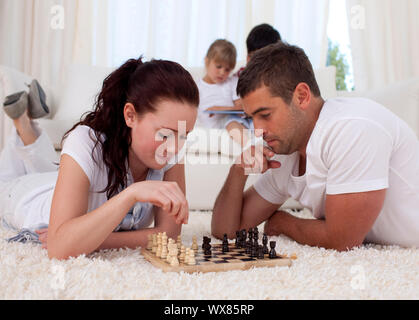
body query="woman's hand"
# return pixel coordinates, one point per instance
(164, 194)
(43, 237)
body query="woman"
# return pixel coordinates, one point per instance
(118, 159)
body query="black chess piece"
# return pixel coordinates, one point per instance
(237, 243)
(225, 243)
(207, 246)
(256, 233)
(272, 253)
(265, 244)
(253, 251)
(205, 240)
(261, 253)
(243, 238)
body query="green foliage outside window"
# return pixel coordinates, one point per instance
(338, 59)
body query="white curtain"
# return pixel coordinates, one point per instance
(384, 40)
(182, 30)
(42, 37)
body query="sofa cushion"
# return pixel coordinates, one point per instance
(402, 98)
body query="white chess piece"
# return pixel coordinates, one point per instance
(191, 259)
(182, 254)
(150, 242)
(154, 243)
(194, 244)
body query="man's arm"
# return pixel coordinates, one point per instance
(348, 219)
(235, 210)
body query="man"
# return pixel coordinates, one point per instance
(352, 162)
(259, 37)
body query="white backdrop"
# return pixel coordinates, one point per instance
(41, 38)
(182, 30)
(385, 41)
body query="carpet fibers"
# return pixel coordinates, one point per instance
(368, 272)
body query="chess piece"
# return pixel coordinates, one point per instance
(237, 243)
(163, 254)
(159, 244)
(206, 246)
(191, 259)
(255, 234)
(243, 238)
(265, 243)
(158, 250)
(225, 243)
(182, 254)
(172, 257)
(150, 242)
(260, 252)
(179, 242)
(194, 244)
(154, 243)
(272, 253)
(187, 255)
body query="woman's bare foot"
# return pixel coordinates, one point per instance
(25, 129)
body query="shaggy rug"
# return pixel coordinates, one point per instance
(368, 272)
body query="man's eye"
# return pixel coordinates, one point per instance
(265, 116)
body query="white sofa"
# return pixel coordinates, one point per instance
(206, 164)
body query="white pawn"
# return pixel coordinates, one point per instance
(174, 260)
(187, 255)
(158, 240)
(154, 243)
(194, 244)
(179, 242)
(170, 249)
(182, 254)
(163, 254)
(191, 259)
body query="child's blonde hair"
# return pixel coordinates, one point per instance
(222, 51)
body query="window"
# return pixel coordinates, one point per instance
(339, 53)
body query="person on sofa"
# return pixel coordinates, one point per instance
(116, 171)
(351, 161)
(259, 37)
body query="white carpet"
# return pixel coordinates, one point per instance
(373, 272)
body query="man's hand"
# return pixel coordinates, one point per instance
(256, 159)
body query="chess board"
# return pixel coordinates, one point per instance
(235, 259)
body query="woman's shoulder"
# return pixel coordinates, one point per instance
(83, 134)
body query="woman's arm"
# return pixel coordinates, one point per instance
(72, 231)
(162, 221)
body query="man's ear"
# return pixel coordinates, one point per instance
(302, 95)
(130, 114)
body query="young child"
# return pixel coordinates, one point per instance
(217, 90)
(114, 172)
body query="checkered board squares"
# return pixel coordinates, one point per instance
(235, 259)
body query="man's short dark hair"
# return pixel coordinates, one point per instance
(261, 36)
(280, 67)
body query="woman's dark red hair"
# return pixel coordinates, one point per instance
(143, 84)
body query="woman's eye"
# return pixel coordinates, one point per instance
(265, 116)
(163, 136)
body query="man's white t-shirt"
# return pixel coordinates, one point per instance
(356, 146)
(219, 94)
